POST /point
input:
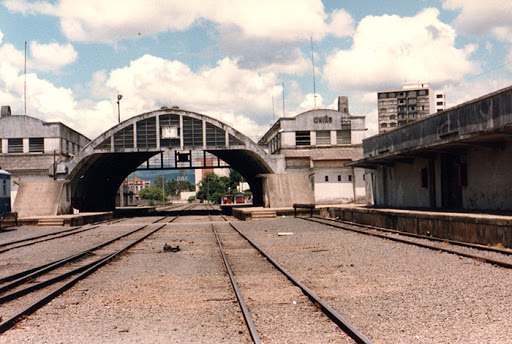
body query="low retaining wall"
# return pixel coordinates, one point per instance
(245, 214)
(474, 228)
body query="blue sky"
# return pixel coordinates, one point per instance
(228, 59)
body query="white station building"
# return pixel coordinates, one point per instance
(320, 142)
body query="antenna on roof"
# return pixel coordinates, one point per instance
(25, 86)
(313, 62)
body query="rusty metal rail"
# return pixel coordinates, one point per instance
(4, 247)
(11, 321)
(343, 324)
(80, 272)
(351, 227)
(243, 306)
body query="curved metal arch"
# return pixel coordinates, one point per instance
(100, 168)
(94, 147)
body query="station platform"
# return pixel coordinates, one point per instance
(478, 228)
(65, 220)
(255, 213)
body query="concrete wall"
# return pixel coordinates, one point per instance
(54, 134)
(400, 185)
(42, 198)
(282, 190)
(489, 181)
(473, 228)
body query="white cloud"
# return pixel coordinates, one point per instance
(482, 17)
(464, 91)
(51, 56)
(225, 91)
(309, 103)
(239, 97)
(1, 36)
(509, 60)
(389, 50)
(341, 24)
(110, 21)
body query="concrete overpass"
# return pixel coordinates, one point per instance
(96, 173)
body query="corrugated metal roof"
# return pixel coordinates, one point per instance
(25, 163)
(316, 154)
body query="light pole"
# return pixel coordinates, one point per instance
(119, 97)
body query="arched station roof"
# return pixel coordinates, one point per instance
(99, 169)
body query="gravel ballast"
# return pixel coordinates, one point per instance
(391, 292)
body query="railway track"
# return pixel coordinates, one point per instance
(238, 239)
(15, 244)
(24, 292)
(492, 255)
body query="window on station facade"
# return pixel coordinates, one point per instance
(36, 145)
(233, 141)
(343, 137)
(339, 177)
(215, 136)
(124, 138)
(15, 145)
(302, 138)
(323, 138)
(146, 133)
(275, 143)
(192, 132)
(106, 144)
(326, 178)
(169, 130)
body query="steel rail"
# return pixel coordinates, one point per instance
(401, 240)
(343, 324)
(54, 235)
(46, 239)
(243, 306)
(420, 236)
(21, 277)
(38, 236)
(8, 323)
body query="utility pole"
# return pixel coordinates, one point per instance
(25, 85)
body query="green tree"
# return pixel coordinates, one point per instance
(234, 179)
(211, 187)
(174, 187)
(151, 192)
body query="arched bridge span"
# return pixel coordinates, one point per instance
(177, 135)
